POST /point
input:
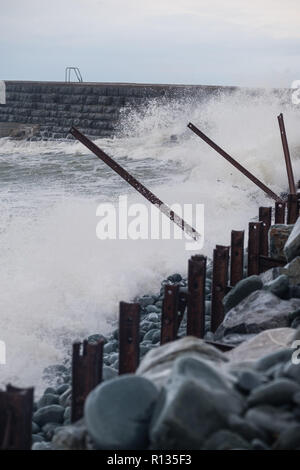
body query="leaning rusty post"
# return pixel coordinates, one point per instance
(265, 216)
(293, 208)
(219, 284)
(86, 374)
(196, 296)
(233, 162)
(16, 405)
(236, 256)
(254, 247)
(169, 317)
(287, 156)
(135, 184)
(279, 212)
(129, 337)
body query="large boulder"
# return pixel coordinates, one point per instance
(241, 290)
(292, 270)
(196, 402)
(49, 414)
(263, 344)
(292, 246)
(260, 311)
(73, 437)
(158, 362)
(278, 236)
(118, 412)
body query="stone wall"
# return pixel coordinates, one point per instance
(92, 107)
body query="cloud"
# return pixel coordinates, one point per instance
(191, 38)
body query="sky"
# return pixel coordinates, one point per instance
(211, 42)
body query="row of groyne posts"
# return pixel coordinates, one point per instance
(16, 404)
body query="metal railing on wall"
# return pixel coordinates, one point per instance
(76, 72)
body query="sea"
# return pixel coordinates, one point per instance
(59, 281)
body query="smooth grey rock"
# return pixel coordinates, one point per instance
(292, 246)
(49, 414)
(149, 335)
(289, 439)
(35, 428)
(244, 428)
(278, 392)
(278, 236)
(292, 270)
(292, 371)
(156, 337)
(96, 338)
(118, 412)
(48, 399)
(225, 440)
(49, 430)
(42, 446)
(36, 438)
(272, 359)
(152, 317)
(65, 398)
(175, 277)
(73, 437)
(158, 363)
(271, 274)
(270, 419)
(110, 347)
(260, 311)
(108, 373)
(152, 309)
(248, 380)
(146, 300)
(296, 398)
(241, 290)
(61, 389)
(208, 398)
(280, 287)
(258, 444)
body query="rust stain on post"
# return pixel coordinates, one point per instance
(219, 284)
(129, 337)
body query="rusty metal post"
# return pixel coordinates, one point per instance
(279, 212)
(233, 162)
(16, 405)
(287, 156)
(219, 284)
(293, 208)
(236, 256)
(169, 317)
(196, 296)
(86, 374)
(254, 248)
(129, 337)
(265, 216)
(135, 184)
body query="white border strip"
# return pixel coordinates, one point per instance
(2, 92)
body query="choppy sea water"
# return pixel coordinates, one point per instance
(58, 281)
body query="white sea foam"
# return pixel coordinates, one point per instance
(58, 281)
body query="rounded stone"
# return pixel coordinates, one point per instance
(118, 412)
(49, 414)
(48, 399)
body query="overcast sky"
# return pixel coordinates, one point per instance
(226, 42)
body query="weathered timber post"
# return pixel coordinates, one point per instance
(86, 374)
(129, 337)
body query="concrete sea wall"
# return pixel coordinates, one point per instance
(53, 107)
